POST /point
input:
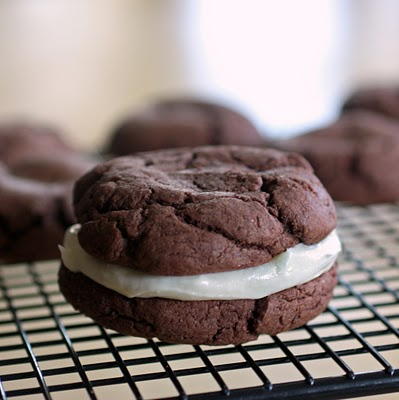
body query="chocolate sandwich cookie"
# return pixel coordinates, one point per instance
(37, 171)
(355, 158)
(382, 100)
(206, 245)
(181, 123)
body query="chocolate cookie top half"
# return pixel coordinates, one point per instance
(181, 123)
(20, 140)
(383, 100)
(200, 210)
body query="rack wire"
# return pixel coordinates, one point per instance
(50, 351)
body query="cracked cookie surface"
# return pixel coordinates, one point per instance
(213, 322)
(200, 210)
(180, 123)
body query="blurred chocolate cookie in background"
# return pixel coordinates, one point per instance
(21, 140)
(356, 158)
(383, 100)
(182, 123)
(37, 171)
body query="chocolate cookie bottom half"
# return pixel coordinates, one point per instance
(212, 322)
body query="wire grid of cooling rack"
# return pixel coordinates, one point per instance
(48, 350)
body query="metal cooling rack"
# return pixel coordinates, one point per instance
(48, 350)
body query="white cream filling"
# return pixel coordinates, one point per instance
(297, 265)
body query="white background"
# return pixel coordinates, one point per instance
(82, 64)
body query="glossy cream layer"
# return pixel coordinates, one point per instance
(295, 266)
